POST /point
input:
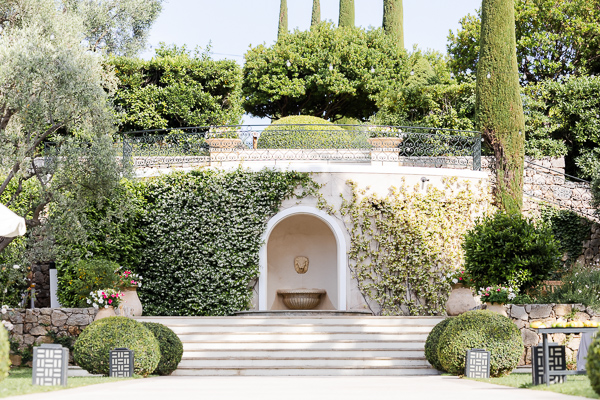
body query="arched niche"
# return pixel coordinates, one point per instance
(303, 231)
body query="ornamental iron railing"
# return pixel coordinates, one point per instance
(408, 146)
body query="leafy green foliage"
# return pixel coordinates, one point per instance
(202, 238)
(91, 350)
(481, 329)
(431, 344)
(510, 249)
(283, 19)
(595, 189)
(171, 348)
(76, 280)
(553, 39)
(116, 26)
(315, 18)
(325, 72)
(176, 89)
(593, 364)
(569, 230)
(403, 245)
(13, 282)
(305, 132)
(4, 353)
(581, 285)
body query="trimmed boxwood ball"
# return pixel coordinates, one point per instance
(4, 353)
(91, 350)
(593, 364)
(171, 348)
(431, 344)
(285, 133)
(481, 329)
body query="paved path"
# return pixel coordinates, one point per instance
(298, 388)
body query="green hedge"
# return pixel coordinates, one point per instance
(306, 132)
(481, 329)
(593, 364)
(4, 353)
(171, 348)
(431, 344)
(91, 350)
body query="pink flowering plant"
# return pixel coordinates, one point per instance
(105, 298)
(497, 294)
(459, 276)
(128, 279)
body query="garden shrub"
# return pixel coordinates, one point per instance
(306, 132)
(4, 353)
(203, 232)
(431, 344)
(510, 249)
(77, 280)
(171, 348)
(91, 350)
(593, 364)
(580, 286)
(480, 329)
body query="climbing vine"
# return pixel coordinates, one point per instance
(402, 245)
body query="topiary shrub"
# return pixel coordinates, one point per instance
(4, 353)
(431, 344)
(593, 364)
(480, 329)
(510, 249)
(171, 348)
(91, 350)
(306, 132)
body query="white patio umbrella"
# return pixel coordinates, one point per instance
(11, 224)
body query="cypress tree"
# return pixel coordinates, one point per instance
(346, 13)
(316, 13)
(498, 104)
(393, 20)
(283, 19)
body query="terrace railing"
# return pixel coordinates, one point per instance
(410, 146)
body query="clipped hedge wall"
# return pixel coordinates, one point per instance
(288, 133)
(593, 364)
(171, 348)
(203, 234)
(431, 344)
(91, 350)
(480, 329)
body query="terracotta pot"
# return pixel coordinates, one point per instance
(497, 308)
(105, 312)
(460, 300)
(385, 142)
(130, 306)
(225, 143)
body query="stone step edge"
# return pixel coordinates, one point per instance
(412, 358)
(350, 367)
(310, 341)
(304, 350)
(299, 333)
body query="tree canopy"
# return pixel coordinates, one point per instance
(326, 72)
(554, 38)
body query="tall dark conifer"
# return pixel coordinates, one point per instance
(393, 20)
(283, 19)
(346, 13)
(498, 105)
(316, 13)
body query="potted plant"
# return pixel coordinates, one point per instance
(224, 137)
(496, 296)
(105, 301)
(128, 283)
(384, 137)
(461, 298)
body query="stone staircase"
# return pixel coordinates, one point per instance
(302, 345)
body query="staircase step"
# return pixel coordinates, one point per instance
(303, 362)
(301, 353)
(298, 337)
(316, 345)
(377, 371)
(304, 328)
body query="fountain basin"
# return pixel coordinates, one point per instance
(301, 299)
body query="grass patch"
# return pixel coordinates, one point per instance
(576, 385)
(18, 382)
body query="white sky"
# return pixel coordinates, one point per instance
(234, 25)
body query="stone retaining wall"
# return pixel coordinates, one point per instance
(31, 326)
(524, 315)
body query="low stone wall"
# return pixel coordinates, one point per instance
(31, 326)
(524, 315)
